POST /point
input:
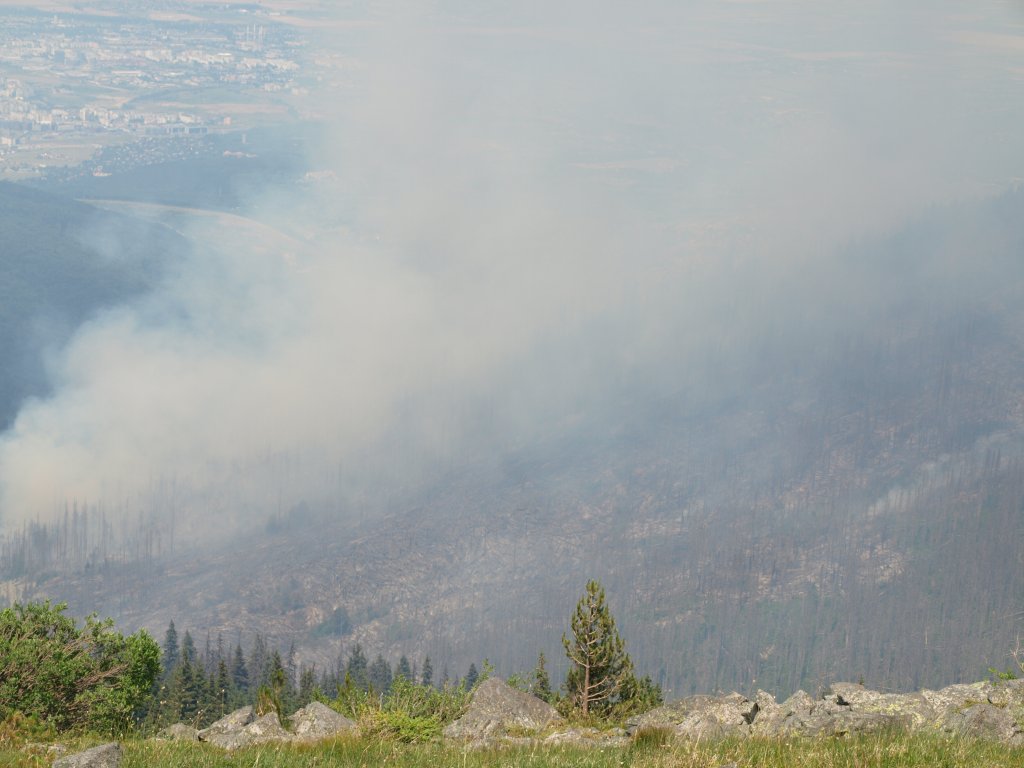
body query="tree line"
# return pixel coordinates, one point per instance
(93, 678)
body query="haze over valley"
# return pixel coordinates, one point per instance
(396, 323)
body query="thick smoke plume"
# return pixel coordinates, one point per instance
(540, 212)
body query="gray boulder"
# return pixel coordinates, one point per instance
(1007, 693)
(909, 709)
(179, 732)
(956, 698)
(496, 708)
(848, 709)
(986, 721)
(260, 731)
(318, 721)
(702, 717)
(231, 722)
(103, 756)
(773, 719)
(848, 723)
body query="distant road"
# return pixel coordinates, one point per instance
(255, 234)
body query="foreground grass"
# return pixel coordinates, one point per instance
(884, 751)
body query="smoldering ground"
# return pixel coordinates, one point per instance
(539, 218)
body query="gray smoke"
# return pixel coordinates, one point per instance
(536, 212)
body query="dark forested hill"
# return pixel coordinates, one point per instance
(852, 507)
(60, 262)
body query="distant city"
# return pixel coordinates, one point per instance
(72, 85)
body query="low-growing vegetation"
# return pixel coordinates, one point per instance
(647, 751)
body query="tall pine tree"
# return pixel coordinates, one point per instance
(600, 665)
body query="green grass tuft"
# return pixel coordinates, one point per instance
(652, 748)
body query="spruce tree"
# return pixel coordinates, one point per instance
(540, 686)
(258, 658)
(188, 649)
(600, 665)
(239, 672)
(307, 685)
(224, 692)
(404, 670)
(357, 668)
(292, 666)
(427, 679)
(471, 677)
(380, 675)
(170, 650)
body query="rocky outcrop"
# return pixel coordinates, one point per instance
(231, 722)
(701, 717)
(981, 710)
(103, 756)
(497, 709)
(317, 721)
(242, 729)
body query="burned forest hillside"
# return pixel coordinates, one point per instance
(847, 503)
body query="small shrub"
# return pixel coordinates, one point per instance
(269, 700)
(18, 728)
(400, 726)
(651, 739)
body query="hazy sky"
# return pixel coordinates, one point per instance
(547, 207)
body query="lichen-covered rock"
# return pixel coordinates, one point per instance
(986, 721)
(985, 710)
(231, 722)
(774, 719)
(179, 732)
(848, 723)
(910, 708)
(260, 731)
(702, 717)
(589, 737)
(318, 721)
(1007, 693)
(103, 756)
(497, 708)
(956, 698)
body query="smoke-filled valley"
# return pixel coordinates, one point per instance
(723, 306)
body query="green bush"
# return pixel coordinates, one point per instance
(407, 713)
(88, 678)
(397, 725)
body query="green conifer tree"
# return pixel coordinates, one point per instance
(404, 669)
(307, 685)
(357, 669)
(540, 686)
(188, 649)
(380, 675)
(240, 673)
(471, 677)
(600, 665)
(170, 651)
(223, 689)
